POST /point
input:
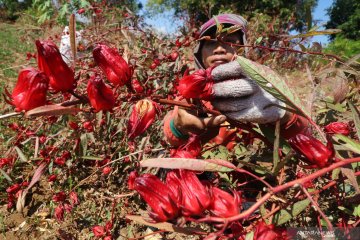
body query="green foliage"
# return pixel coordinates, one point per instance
(345, 15)
(343, 47)
(201, 10)
(44, 9)
(10, 9)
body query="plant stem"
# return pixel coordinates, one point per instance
(330, 226)
(280, 188)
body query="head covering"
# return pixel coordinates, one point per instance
(228, 18)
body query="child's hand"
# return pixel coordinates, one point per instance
(240, 98)
(187, 122)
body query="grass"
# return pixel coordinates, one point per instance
(15, 42)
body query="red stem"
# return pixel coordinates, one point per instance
(280, 188)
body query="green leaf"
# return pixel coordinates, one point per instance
(346, 142)
(222, 154)
(92, 158)
(285, 215)
(21, 155)
(5, 175)
(336, 107)
(357, 211)
(355, 115)
(249, 236)
(83, 143)
(278, 88)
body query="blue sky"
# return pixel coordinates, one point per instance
(319, 14)
(164, 23)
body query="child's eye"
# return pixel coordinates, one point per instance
(232, 40)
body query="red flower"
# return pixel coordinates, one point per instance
(224, 204)
(338, 128)
(52, 178)
(268, 232)
(73, 125)
(13, 188)
(157, 195)
(59, 197)
(30, 90)
(60, 161)
(6, 161)
(50, 61)
(106, 170)
(142, 116)
(137, 86)
(100, 95)
(59, 213)
(74, 200)
(195, 197)
(112, 64)
(81, 11)
(68, 208)
(98, 231)
(108, 226)
(192, 149)
(314, 151)
(197, 85)
(88, 126)
(173, 56)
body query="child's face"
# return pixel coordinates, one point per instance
(215, 53)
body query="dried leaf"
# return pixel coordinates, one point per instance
(356, 118)
(72, 32)
(36, 177)
(51, 110)
(166, 226)
(349, 173)
(314, 33)
(211, 165)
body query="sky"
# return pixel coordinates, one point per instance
(319, 14)
(165, 24)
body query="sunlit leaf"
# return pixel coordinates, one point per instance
(346, 142)
(51, 110)
(211, 165)
(315, 33)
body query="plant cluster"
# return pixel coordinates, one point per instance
(84, 151)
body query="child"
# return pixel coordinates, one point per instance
(235, 96)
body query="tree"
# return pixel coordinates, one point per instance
(298, 12)
(345, 15)
(9, 9)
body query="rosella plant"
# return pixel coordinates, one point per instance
(85, 146)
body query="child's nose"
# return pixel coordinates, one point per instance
(219, 49)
